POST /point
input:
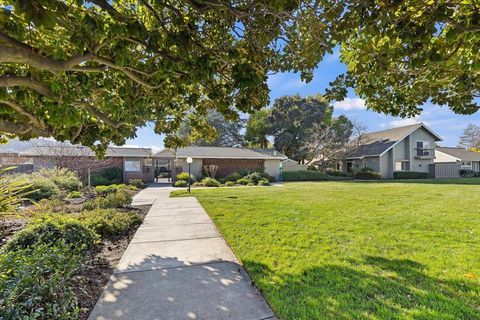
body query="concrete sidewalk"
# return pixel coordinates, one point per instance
(178, 266)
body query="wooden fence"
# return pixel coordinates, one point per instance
(289, 167)
(445, 170)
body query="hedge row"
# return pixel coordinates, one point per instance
(410, 175)
(309, 175)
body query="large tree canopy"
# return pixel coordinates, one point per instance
(401, 54)
(92, 71)
(292, 119)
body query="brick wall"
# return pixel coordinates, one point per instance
(227, 166)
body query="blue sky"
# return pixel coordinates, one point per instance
(446, 123)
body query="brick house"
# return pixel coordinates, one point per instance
(229, 160)
(135, 163)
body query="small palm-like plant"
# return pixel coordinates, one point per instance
(12, 191)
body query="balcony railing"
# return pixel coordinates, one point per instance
(424, 153)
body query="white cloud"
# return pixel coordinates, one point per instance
(350, 104)
(404, 122)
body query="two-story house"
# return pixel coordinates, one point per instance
(407, 148)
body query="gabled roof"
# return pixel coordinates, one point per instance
(378, 142)
(460, 153)
(206, 152)
(81, 151)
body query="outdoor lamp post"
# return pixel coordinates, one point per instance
(189, 161)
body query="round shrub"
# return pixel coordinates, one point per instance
(254, 177)
(233, 177)
(96, 180)
(264, 182)
(210, 182)
(229, 184)
(138, 183)
(184, 176)
(250, 184)
(54, 230)
(243, 181)
(112, 174)
(42, 188)
(118, 199)
(181, 184)
(74, 194)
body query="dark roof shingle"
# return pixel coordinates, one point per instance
(376, 143)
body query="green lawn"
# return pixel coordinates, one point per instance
(357, 250)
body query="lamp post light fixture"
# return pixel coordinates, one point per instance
(189, 161)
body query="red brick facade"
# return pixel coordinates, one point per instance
(228, 166)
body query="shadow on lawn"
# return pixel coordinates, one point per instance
(397, 289)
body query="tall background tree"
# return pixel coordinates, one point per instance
(257, 130)
(470, 137)
(292, 119)
(225, 133)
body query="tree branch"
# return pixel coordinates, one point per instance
(98, 114)
(15, 106)
(11, 81)
(14, 81)
(22, 129)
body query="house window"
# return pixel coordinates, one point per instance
(423, 148)
(466, 165)
(401, 165)
(132, 166)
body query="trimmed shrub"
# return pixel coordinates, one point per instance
(229, 184)
(35, 283)
(184, 176)
(74, 194)
(181, 184)
(233, 177)
(410, 175)
(97, 180)
(112, 174)
(53, 230)
(466, 173)
(254, 177)
(243, 181)
(250, 184)
(336, 173)
(118, 199)
(137, 183)
(367, 175)
(108, 223)
(264, 182)
(41, 188)
(305, 175)
(210, 182)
